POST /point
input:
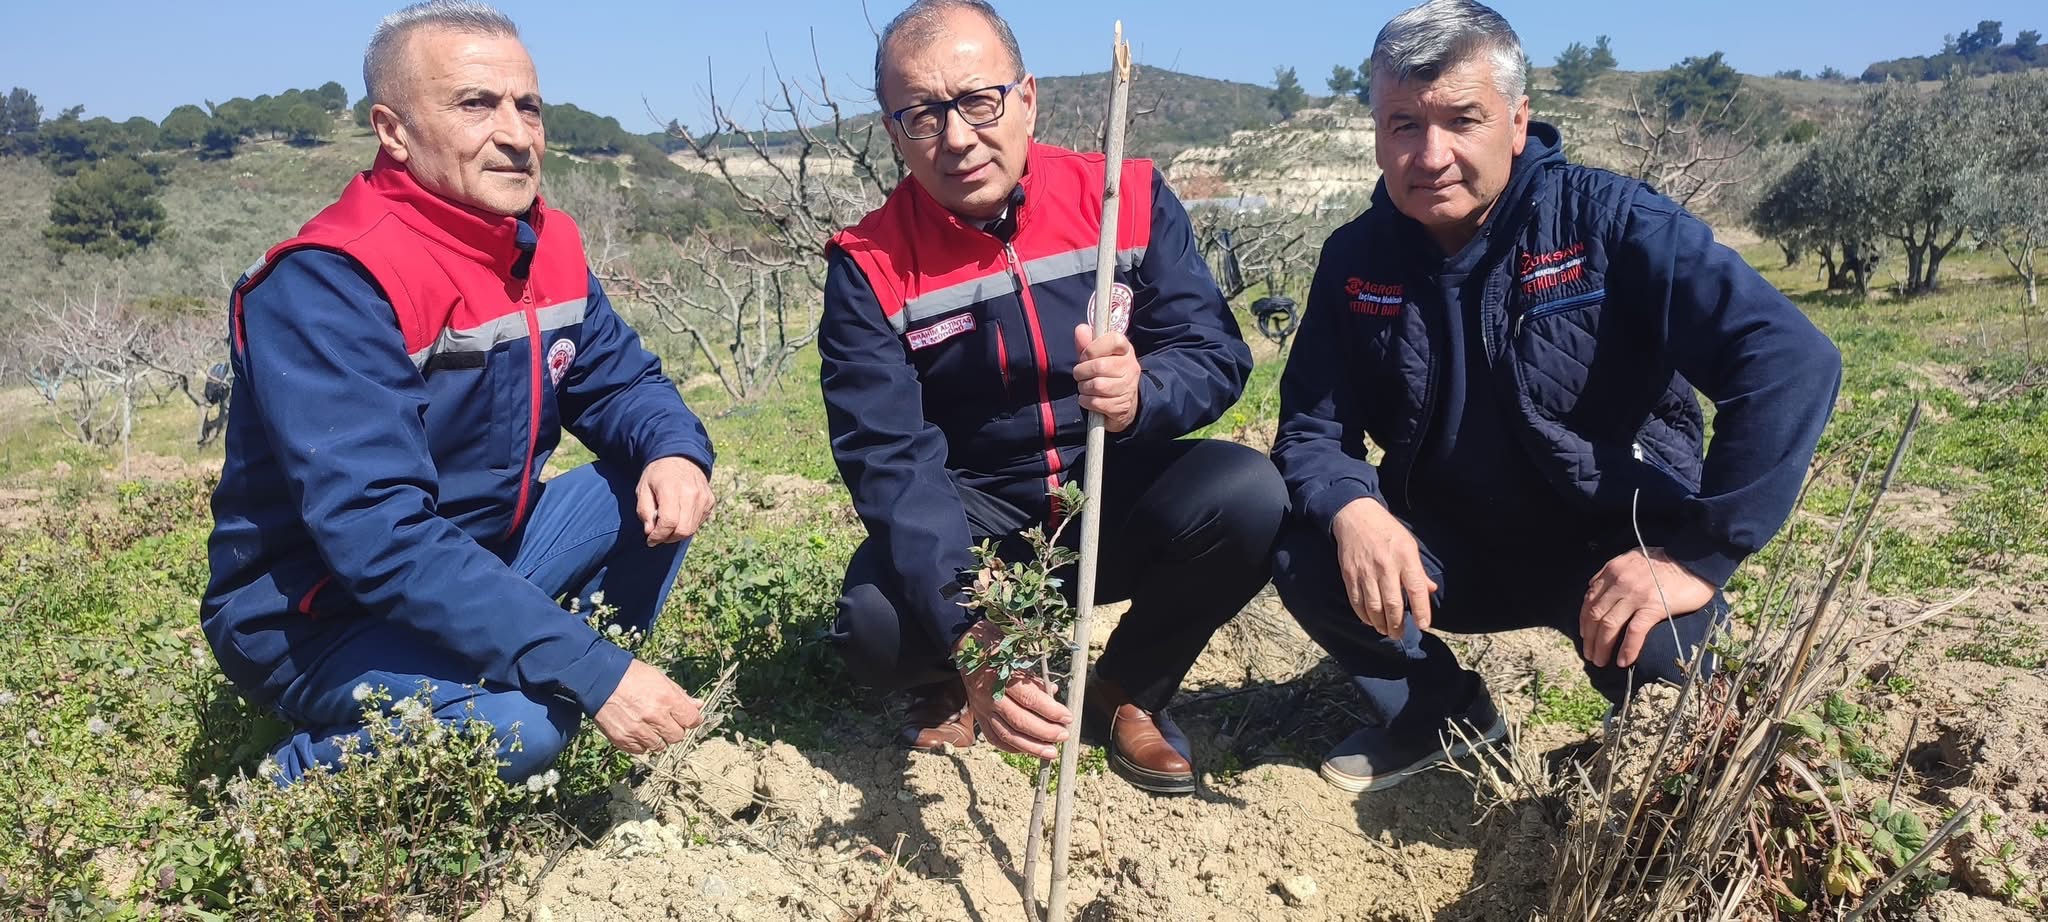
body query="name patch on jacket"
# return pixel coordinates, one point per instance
(927, 337)
(1541, 272)
(1375, 299)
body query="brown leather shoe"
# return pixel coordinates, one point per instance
(1139, 750)
(937, 717)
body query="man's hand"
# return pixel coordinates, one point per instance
(1028, 719)
(1623, 604)
(1382, 567)
(647, 712)
(674, 499)
(1108, 376)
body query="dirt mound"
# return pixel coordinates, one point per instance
(773, 832)
(857, 830)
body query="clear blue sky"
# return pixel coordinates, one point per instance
(127, 57)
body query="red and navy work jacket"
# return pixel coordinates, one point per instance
(948, 353)
(402, 370)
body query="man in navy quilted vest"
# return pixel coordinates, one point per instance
(1522, 338)
(402, 370)
(958, 370)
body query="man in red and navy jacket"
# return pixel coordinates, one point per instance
(403, 368)
(958, 370)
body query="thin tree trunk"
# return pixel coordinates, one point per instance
(1036, 836)
(127, 424)
(1091, 510)
(1935, 254)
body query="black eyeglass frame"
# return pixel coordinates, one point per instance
(952, 106)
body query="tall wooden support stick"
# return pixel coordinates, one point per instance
(1091, 482)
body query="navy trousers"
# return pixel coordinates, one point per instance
(583, 537)
(1187, 533)
(1414, 681)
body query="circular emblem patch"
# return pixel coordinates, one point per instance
(1119, 307)
(560, 356)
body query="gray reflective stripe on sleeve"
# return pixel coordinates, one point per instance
(566, 314)
(488, 335)
(1039, 271)
(1077, 262)
(952, 298)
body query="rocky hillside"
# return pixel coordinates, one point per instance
(1319, 156)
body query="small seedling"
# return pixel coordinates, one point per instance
(1024, 600)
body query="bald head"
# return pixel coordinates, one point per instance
(927, 22)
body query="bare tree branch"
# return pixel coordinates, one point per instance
(733, 295)
(1691, 156)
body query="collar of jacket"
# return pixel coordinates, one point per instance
(494, 240)
(1017, 215)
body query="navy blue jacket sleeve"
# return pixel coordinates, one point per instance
(893, 461)
(616, 400)
(1771, 374)
(343, 408)
(1320, 445)
(1194, 360)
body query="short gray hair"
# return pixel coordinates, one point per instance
(382, 59)
(920, 25)
(1422, 41)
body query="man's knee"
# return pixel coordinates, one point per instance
(1305, 568)
(1680, 648)
(1673, 653)
(531, 732)
(1246, 491)
(868, 633)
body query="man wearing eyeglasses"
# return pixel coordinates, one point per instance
(958, 369)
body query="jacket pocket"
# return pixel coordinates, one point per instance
(470, 410)
(961, 359)
(1659, 473)
(1562, 305)
(507, 394)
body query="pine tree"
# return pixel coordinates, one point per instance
(21, 121)
(1343, 80)
(109, 207)
(184, 128)
(1288, 96)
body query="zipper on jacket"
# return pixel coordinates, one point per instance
(1657, 464)
(1557, 306)
(1002, 357)
(1428, 414)
(1046, 423)
(533, 426)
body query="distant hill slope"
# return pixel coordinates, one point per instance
(1323, 158)
(1172, 112)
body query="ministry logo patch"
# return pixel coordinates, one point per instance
(561, 355)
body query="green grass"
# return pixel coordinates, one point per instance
(2016, 645)
(1094, 760)
(114, 733)
(1574, 704)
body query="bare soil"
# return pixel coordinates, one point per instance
(858, 830)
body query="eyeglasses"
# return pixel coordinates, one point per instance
(977, 108)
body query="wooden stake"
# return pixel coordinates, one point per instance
(1091, 483)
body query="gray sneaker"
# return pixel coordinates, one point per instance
(1374, 758)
